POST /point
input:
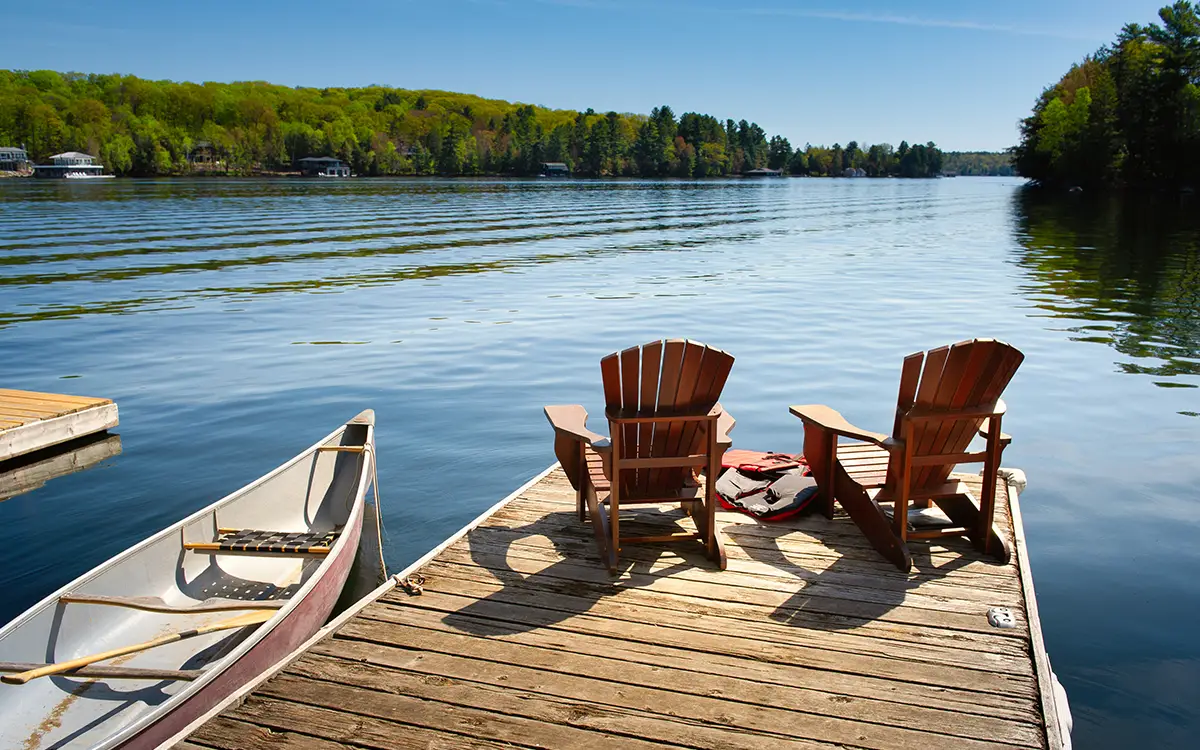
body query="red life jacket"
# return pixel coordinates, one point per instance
(761, 461)
(766, 486)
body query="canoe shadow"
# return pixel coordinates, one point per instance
(563, 589)
(215, 582)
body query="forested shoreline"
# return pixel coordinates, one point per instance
(978, 163)
(1127, 116)
(150, 128)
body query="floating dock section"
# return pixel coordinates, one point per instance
(31, 421)
(521, 639)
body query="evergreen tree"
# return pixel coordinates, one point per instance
(1130, 114)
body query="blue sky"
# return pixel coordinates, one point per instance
(958, 73)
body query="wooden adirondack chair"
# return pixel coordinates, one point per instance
(665, 423)
(941, 407)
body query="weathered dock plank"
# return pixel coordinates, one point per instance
(809, 640)
(31, 421)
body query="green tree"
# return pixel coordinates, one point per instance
(779, 152)
(1130, 114)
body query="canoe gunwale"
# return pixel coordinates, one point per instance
(216, 668)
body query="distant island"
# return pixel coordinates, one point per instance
(151, 128)
(1127, 116)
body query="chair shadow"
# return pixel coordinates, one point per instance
(853, 589)
(568, 587)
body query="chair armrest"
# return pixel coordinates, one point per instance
(1005, 438)
(725, 424)
(829, 419)
(569, 420)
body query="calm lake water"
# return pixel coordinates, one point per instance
(235, 322)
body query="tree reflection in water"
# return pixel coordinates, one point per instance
(1118, 270)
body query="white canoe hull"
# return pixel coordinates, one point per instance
(319, 490)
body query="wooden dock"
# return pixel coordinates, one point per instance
(808, 640)
(31, 421)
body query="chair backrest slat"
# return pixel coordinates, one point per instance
(657, 377)
(910, 375)
(668, 389)
(610, 374)
(967, 375)
(648, 399)
(630, 378)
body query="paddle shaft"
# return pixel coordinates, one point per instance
(241, 621)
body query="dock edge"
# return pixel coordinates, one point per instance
(1056, 711)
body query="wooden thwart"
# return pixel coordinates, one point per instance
(215, 548)
(155, 604)
(102, 671)
(269, 543)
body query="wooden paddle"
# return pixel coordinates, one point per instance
(241, 621)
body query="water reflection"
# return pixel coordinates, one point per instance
(1119, 271)
(31, 471)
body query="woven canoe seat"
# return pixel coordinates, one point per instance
(279, 542)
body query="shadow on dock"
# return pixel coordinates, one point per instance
(843, 572)
(572, 590)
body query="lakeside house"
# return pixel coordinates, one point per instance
(13, 159)
(555, 169)
(854, 172)
(69, 164)
(204, 156)
(763, 172)
(323, 166)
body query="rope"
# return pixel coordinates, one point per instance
(378, 508)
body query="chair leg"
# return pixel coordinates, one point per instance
(830, 469)
(602, 530)
(900, 517)
(871, 520)
(963, 512)
(820, 449)
(614, 526)
(712, 545)
(584, 484)
(987, 499)
(704, 516)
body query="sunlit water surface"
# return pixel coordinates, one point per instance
(235, 322)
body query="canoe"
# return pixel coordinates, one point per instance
(226, 561)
